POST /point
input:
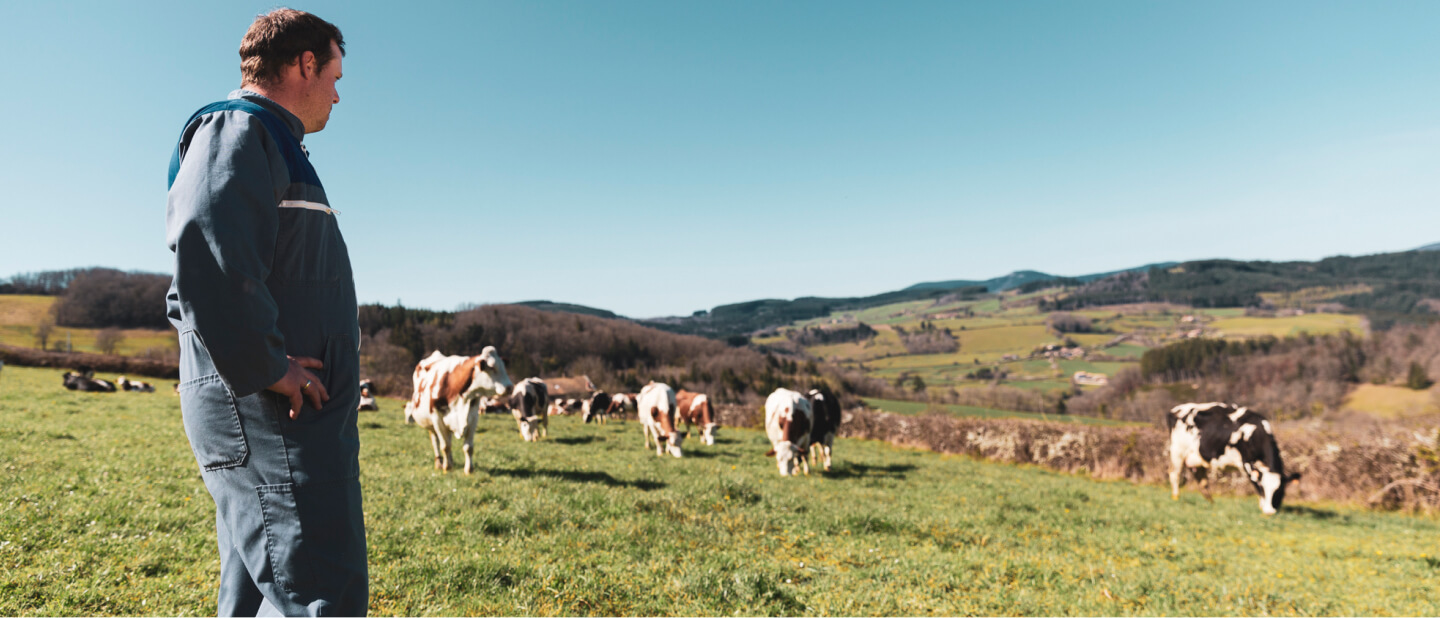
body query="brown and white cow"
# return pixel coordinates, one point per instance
(695, 409)
(788, 419)
(448, 390)
(826, 408)
(1217, 436)
(621, 403)
(596, 407)
(656, 409)
(529, 403)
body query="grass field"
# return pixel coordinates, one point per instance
(1390, 401)
(1313, 323)
(19, 314)
(916, 407)
(102, 512)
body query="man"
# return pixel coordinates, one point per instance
(264, 301)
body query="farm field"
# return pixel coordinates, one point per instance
(20, 313)
(1390, 401)
(916, 407)
(991, 330)
(102, 512)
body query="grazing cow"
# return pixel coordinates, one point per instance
(826, 408)
(556, 408)
(656, 409)
(134, 385)
(87, 382)
(528, 403)
(448, 390)
(494, 405)
(695, 409)
(572, 405)
(367, 395)
(1218, 436)
(596, 408)
(621, 403)
(788, 419)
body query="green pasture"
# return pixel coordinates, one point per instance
(1126, 350)
(1313, 323)
(917, 407)
(20, 314)
(102, 512)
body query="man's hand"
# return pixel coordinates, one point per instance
(299, 384)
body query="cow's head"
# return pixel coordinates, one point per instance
(490, 372)
(787, 456)
(530, 428)
(708, 434)
(1272, 486)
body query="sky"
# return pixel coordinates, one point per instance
(658, 158)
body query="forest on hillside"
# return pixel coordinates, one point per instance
(618, 355)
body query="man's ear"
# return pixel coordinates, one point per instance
(308, 66)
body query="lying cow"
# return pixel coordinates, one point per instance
(448, 390)
(86, 383)
(826, 409)
(136, 386)
(1217, 436)
(656, 409)
(788, 419)
(528, 403)
(367, 396)
(695, 409)
(596, 408)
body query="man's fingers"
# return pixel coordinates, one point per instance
(295, 403)
(308, 362)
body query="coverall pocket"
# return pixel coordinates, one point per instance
(212, 423)
(342, 371)
(284, 542)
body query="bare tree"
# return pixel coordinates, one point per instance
(107, 339)
(43, 330)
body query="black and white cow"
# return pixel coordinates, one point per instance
(86, 381)
(367, 395)
(137, 386)
(826, 408)
(528, 403)
(1218, 436)
(596, 408)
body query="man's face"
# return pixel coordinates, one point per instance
(321, 94)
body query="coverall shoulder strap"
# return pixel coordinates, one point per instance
(295, 160)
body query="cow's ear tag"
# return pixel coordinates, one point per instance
(770, 453)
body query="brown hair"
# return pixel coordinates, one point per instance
(278, 38)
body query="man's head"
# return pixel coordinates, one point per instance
(294, 58)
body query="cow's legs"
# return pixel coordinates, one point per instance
(825, 451)
(435, 446)
(1177, 465)
(545, 427)
(1203, 475)
(804, 465)
(469, 447)
(446, 461)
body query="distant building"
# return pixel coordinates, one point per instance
(1085, 378)
(570, 387)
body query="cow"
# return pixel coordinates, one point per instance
(788, 419)
(494, 405)
(137, 386)
(528, 403)
(86, 382)
(1215, 436)
(656, 409)
(826, 409)
(621, 403)
(367, 396)
(448, 390)
(596, 408)
(695, 409)
(572, 405)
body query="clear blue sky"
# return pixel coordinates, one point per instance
(655, 158)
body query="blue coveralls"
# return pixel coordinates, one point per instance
(262, 272)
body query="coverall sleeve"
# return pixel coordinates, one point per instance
(221, 222)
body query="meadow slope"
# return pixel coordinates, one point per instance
(102, 512)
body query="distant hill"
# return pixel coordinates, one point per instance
(1430, 247)
(1022, 277)
(736, 321)
(553, 307)
(1386, 287)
